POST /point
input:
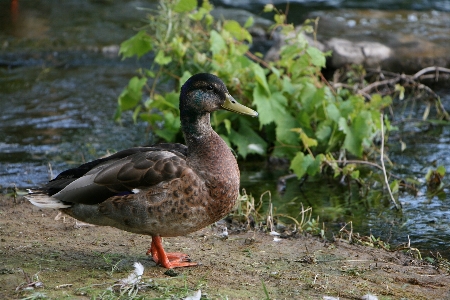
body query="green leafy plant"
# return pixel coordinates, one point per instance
(301, 117)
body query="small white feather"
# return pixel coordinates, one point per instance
(135, 276)
(196, 296)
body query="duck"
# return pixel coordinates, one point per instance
(163, 190)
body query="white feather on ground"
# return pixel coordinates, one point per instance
(196, 296)
(135, 276)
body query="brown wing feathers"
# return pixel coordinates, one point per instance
(94, 182)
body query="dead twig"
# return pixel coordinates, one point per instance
(434, 69)
(397, 205)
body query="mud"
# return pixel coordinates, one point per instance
(61, 259)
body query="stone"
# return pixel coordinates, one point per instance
(369, 54)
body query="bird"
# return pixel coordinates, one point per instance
(163, 190)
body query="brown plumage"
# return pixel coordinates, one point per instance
(163, 190)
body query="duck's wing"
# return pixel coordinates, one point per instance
(118, 174)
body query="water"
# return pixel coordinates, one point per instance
(59, 81)
(299, 7)
(60, 77)
(62, 116)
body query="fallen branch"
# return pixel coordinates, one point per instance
(436, 70)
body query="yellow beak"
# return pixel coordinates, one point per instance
(232, 105)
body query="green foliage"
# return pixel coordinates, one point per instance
(300, 117)
(434, 178)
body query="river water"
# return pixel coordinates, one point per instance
(59, 81)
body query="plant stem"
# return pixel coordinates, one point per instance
(397, 205)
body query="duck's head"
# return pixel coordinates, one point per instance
(204, 93)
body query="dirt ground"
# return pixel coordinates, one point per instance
(44, 257)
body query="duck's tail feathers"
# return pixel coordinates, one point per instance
(42, 200)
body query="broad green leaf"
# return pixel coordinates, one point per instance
(270, 109)
(355, 174)
(161, 59)
(324, 131)
(378, 102)
(139, 44)
(217, 42)
(132, 94)
(209, 19)
(171, 127)
(185, 77)
(268, 8)
(136, 112)
(239, 33)
(318, 102)
(227, 125)
(173, 99)
(307, 96)
(288, 87)
(200, 14)
(207, 5)
(179, 48)
(301, 163)
(284, 134)
(151, 118)
(356, 132)
(317, 57)
(247, 140)
(167, 102)
(394, 185)
(314, 167)
(441, 170)
(348, 168)
(149, 73)
(279, 19)
(260, 77)
(185, 6)
(200, 58)
(117, 114)
(333, 112)
(347, 107)
(307, 141)
(249, 23)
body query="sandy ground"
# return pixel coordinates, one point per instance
(41, 255)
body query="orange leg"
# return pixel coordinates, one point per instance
(168, 260)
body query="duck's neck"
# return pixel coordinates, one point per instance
(206, 148)
(196, 128)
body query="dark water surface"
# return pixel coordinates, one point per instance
(300, 6)
(60, 77)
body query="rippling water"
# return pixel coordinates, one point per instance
(442, 5)
(60, 116)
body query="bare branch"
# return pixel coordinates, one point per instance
(431, 69)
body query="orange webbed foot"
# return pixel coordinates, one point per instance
(168, 260)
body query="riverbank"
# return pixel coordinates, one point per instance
(83, 261)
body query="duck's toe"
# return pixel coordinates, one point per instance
(168, 260)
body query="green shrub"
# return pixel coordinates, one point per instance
(300, 117)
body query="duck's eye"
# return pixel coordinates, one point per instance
(209, 87)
